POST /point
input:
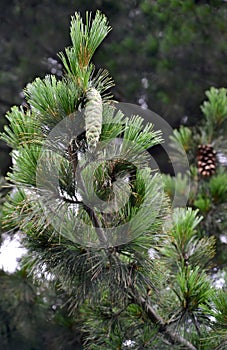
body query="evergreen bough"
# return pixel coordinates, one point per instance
(144, 286)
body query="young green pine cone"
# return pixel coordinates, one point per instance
(93, 118)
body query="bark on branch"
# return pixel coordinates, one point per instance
(171, 336)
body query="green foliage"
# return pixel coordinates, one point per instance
(218, 188)
(19, 303)
(203, 203)
(158, 39)
(22, 129)
(177, 186)
(52, 99)
(141, 137)
(130, 268)
(150, 39)
(206, 194)
(193, 290)
(113, 125)
(185, 224)
(117, 325)
(182, 136)
(209, 196)
(215, 109)
(29, 316)
(85, 39)
(12, 207)
(25, 165)
(220, 312)
(184, 246)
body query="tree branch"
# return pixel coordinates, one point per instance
(221, 346)
(172, 337)
(94, 219)
(72, 149)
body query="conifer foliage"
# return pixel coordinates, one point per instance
(95, 219)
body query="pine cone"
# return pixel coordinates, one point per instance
(206, 160)
(93, 117)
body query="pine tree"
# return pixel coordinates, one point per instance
(206, 148)
(95, 219)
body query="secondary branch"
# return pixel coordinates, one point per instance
(171, 336)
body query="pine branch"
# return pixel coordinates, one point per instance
(221, 346)
(94, 219)
(91, 213)
(172, 337)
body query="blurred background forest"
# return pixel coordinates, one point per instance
(162, 55)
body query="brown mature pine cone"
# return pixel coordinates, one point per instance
(206, 160)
